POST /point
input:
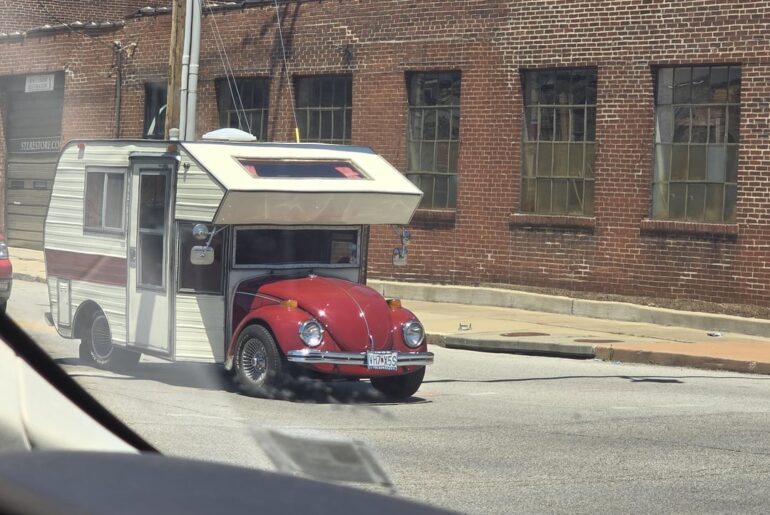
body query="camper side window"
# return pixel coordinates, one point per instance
(104, 200)
(199, 278)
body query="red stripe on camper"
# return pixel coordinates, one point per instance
(86, 267)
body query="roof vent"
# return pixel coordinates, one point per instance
(229, 134)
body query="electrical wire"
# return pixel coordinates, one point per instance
(83, 33)
(286, 68)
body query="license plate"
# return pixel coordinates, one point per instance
(382, 360)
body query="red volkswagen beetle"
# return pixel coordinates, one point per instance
(6, 274)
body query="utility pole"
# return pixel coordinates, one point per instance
(175, 65)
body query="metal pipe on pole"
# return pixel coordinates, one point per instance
(192, 78)
(185, 68)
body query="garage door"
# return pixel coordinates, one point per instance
(33, 133)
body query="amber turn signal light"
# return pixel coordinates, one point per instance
(394, 303)
(289, 304)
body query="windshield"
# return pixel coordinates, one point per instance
(493, 256)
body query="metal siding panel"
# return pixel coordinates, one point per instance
(112, 300)
(53, 298)
(197, 194)
(200, 328)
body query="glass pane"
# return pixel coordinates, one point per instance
(576, 160)
(348, 125)
(575, 197)
(543, 202)
(429, 124)
(700, 84)
(591, 87)
(662, 163)
(314, 132)
(682, 81)
(455, 133)
(426, 185)
(531, 91)
(700, 121)
(544, 156)
(152, 201)
(697, 163)
(304, 89)
(528, 195)
(665, 85)
(719, 84)
(734, 85)
(588, 198)
(561, 159)
(717, 124)
(732, 164)
(454, 149)
(449, 85)
(562, 124)
(559, 197)
(427, 163)
(579, 82)
(94, 199)
(338, 119)
(452, 191)
(303, 121)
(341, 87)
(679, 162)
(578, 124)
(530, 161)
(681, 124)
(563, 87)
(440, 190)
(546, 123)
(733, 122)
(714, 198)
(442, 157)
(591, 124)
(113, 207)
(327, 92)
(664, 124)
(696, 199)
(717, 163)
(444, 121)
(150, 259)
(730, 201)
(660, 200)
(530, 123)
(588, 163)
(326, 125)
(413, 156)
(545, 83)
(677, 193)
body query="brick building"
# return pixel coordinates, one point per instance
(605, 147)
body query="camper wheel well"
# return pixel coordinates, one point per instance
(83, 317)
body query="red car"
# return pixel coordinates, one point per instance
(6, 274)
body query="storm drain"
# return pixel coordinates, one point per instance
(514, 335)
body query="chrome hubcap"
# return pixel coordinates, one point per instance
(254, 360)
(101, 339)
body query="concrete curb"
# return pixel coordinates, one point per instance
(20, 276)
(607, 310)
(681, 360)
(509, 346)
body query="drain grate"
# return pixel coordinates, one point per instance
(513, 335)
(596, 340)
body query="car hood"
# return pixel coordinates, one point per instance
(356, 316)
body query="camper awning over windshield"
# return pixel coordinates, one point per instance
(292, 184)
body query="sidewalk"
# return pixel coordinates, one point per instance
(560, 332)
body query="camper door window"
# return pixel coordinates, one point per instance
(104, 201)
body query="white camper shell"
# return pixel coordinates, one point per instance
(119, 232)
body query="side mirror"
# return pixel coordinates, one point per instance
(200, 232)
(201, 255)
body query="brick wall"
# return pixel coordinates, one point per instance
(26, 14)
(489, 42)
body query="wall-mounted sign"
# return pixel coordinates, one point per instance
(36, 83)
(33, 145)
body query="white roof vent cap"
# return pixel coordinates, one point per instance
(229, 134)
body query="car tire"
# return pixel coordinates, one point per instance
(84, 352)
(3, 305)
(260, 369)
(98, 343)
(399, 387)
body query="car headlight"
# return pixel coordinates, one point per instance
(3, 250)
(311, 333)
(414, 333)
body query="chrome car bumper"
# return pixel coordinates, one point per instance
(317, 357)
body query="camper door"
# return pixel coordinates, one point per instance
(148, 255)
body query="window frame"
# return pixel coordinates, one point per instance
(589, 103)
(150, 91)
(224, 234)
(347, 109)
(451, 164)
(102, 229)
(234, 246)
(730, 147)
(222, 86)
(163, 231)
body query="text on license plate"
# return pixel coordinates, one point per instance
(382, 360)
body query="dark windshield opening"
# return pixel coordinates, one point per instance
(304, 246)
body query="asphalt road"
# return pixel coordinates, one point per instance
(487, 433)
